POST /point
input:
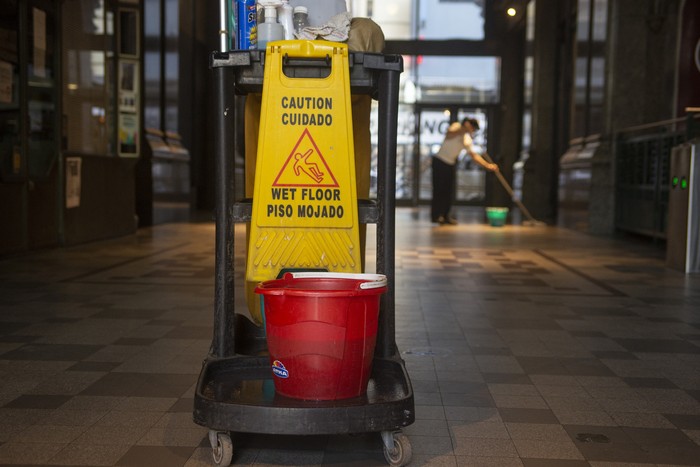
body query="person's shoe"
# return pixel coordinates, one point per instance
(440, 220)
(450, 220)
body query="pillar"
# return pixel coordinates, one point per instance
(541, 170)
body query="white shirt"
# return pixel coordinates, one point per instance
(452, 147)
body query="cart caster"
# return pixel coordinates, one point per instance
(397, 448)
(221, 447)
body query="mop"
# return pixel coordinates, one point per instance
(530, 220)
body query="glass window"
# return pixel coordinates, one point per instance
(600, 20)
(580, 92)
(433, 127)
(405, 147)
(597, 93)
(394, 17)
(529, 75)
(152, 64)
(580, 80)
(10, 159)
(584, 20)
(468, 80)
(172, 65)
(88, 74)
(597, 78)
(424, 19)
(41, 102)
(451, 19)
(529, 79)
(589, 78)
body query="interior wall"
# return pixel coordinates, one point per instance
(12, 218)
(642, 63)
(107, 199)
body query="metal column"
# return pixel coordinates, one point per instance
(683, 232)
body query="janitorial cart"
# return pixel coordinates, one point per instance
(295, 225)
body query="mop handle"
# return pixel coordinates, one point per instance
(498, 173)
(508, 188)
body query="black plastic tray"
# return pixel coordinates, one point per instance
(237, 394)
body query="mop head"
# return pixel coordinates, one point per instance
(534, 223)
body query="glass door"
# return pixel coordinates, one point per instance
(29, 173)
(11, 167)
(433, 124)
(41, 118)
(421, 130)
(405, 150)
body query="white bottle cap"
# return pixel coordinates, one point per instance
(270, 13)
(301, 9)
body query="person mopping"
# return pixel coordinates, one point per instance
(444, 165)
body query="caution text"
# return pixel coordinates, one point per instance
(305, 111)
(321, 203)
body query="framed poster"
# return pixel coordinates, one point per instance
(128, 134)
(128, 85)
(73, 181)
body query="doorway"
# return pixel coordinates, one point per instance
(421, 130)
(29, 173)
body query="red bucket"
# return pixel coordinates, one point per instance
(321, 332)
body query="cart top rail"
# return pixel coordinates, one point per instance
(249, 66)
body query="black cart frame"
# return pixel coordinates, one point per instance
(233, 392)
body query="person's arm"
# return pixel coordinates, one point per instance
(476, 157)
(482, 162)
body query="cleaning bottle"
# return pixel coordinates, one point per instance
(270, 30)
(247, 24)
(285, 16)
(301, 19)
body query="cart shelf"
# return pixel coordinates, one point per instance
(237, 394)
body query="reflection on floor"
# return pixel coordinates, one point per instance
(532, 346)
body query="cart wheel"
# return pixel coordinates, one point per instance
(221, 447)
(397, 448)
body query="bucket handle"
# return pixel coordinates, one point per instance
(372, 281)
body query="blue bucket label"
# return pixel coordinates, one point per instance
(279, 370)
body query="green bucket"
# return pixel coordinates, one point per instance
(497, 216)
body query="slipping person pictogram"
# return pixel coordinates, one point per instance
(303, 164)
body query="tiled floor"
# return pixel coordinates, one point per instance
(526, 346)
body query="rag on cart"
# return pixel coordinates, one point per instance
(335, 30)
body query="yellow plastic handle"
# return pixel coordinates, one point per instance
(309, 49)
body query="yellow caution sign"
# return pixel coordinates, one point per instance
(304, 200)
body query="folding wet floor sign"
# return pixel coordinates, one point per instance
(304, 200)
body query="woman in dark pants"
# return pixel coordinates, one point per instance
(457, 139)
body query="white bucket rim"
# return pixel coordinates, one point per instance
(372, 281)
